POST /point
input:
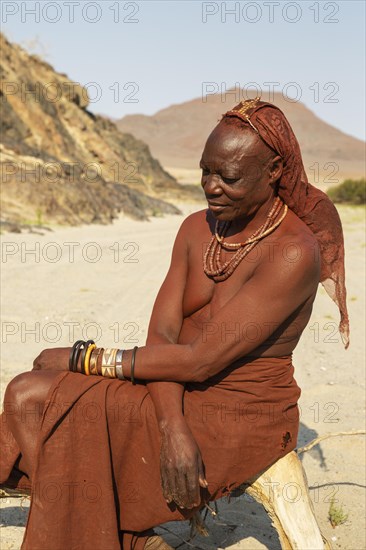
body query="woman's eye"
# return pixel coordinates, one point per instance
(229, 180)
(205, 172)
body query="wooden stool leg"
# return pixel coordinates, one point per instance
(283, 491)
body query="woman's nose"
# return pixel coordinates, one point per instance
(211, 184)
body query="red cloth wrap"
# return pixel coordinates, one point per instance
(96, 475)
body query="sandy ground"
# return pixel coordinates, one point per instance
(51, 297)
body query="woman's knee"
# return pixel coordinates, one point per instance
(26, 394)
(17, 387)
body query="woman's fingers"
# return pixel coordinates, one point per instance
(180, 489)
(176, 487)
(193, 488)
(166, 481)
(201, 475)
(187, 491)
(181, 469)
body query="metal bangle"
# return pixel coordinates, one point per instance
(119, 368)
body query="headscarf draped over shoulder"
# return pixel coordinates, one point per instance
(310, 204)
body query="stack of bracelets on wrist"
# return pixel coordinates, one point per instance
(111, 364)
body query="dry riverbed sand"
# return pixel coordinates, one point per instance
(102, 280)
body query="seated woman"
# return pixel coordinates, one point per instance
(211, 399)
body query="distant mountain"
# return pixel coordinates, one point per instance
(62, 164)
(176, 136)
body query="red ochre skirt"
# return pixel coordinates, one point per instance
(98, 461)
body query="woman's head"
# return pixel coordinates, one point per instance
(239, 171)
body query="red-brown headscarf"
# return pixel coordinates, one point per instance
(310, 204)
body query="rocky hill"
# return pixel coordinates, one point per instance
(176, 136)
(62, 164)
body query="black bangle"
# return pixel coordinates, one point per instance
(72, 354)
(87, 344)
(77, 355)
(133, 357)
(78, 349)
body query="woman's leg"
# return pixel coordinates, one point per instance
(24, 401)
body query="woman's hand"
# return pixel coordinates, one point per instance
(181, 466)
(52, 359)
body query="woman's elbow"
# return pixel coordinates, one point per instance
(200, 372)
(198, 375)
(199, 369)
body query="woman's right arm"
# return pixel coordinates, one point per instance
(180, 459)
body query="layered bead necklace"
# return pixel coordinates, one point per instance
(212, 265)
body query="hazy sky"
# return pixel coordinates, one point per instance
(139, 57)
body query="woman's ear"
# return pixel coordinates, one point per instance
(275, 169)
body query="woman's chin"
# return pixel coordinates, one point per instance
(227, 214)
(221, 213)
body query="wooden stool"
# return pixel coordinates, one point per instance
(283, 491)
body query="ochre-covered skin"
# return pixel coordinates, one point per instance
(216, 402)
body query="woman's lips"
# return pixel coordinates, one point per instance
(216, 207)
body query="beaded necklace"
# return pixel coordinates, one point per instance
(212, 265)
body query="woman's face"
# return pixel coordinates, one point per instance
(236, 172)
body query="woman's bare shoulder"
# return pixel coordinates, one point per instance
(196, 221)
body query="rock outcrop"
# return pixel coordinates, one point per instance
(62, 164)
